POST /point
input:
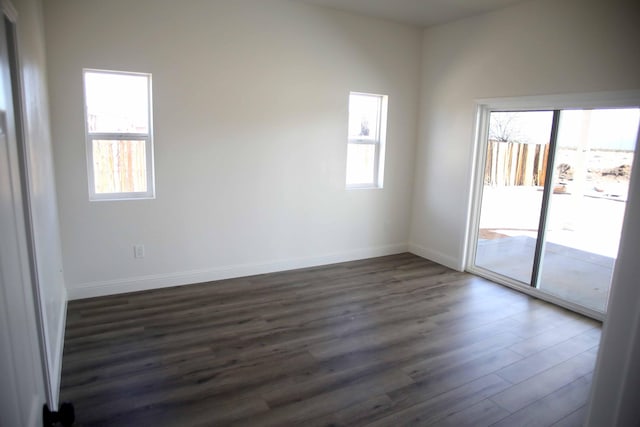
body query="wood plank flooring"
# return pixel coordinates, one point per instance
(389, 341)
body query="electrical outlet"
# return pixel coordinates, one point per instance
(138, 251)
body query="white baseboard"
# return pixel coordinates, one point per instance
(156, 281)
(436, 256)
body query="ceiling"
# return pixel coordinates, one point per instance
(424, 13)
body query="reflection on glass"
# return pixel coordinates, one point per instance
(592, 167)
(517, 153)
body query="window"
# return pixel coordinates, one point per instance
(367, 133)
(118, 135)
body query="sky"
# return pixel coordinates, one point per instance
(118, 102)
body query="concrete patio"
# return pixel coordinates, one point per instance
(582, 241)
(578, 276)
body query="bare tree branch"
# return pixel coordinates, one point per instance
(504, 127)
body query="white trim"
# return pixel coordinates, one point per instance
(363, 187)
(478, 160)
(156, 281)
(610, 99)
(55, 358)
(436, 256)
(536, 293)
(382, 146)
(49, 360)
(51, 390)
(481, 129)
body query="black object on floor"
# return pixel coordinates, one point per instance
(66, 415)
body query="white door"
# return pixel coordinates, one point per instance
(21, 375)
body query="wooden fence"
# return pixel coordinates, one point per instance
(119, 166)
(512, 163)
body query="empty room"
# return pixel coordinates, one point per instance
(320, 212)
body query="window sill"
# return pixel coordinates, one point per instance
(364, 187)
(121, 197)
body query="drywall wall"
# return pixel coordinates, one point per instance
(535, 48)
(250, 124)
(41, 185)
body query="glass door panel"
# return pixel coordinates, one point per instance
(592, 167)
(514, 176)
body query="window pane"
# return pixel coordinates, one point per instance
(119, 166)
(360, 163)
(117, 103)
(364, 116)
(517, 153)
(592, 171)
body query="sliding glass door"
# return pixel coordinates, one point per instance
(592, 168)
(552, 199)
(514, 175)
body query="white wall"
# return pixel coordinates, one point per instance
(535, 48)
(250, 113)
(250, 124)
(41, 183)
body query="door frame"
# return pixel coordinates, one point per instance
(9, 14)
(484, 107)
(24, 359)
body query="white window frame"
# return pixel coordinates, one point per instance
(114, 136)
(379, 143)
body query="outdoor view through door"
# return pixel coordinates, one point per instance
(553, 198)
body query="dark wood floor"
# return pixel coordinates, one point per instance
(389, 341)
